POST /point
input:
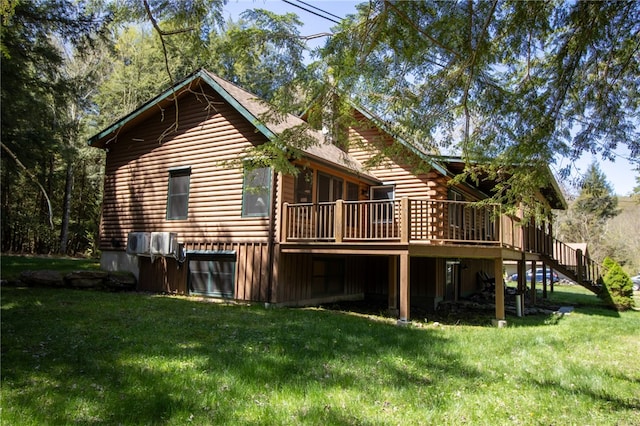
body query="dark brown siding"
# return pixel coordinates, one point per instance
(162, 276)
(252, 266)
(209, 137)
(367, 142)
(295, 276)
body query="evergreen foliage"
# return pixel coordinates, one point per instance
(617, 286)
(39, 100)
(588, 214)
(502, 83)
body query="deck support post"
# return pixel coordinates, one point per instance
(337, 225)
(405, 219)
(393, 286)
(499, 287)
(544, 280)
(579, 266)
(405, 291)
(533, 282)
(284, 230)
(522, 282)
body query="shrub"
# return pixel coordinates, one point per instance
(617, 286)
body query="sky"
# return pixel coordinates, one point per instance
(620, 174)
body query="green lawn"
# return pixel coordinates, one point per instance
(11, 266)
(89, 357)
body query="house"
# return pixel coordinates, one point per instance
(187, 215)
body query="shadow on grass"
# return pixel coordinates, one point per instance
(89, 357)
(564, 390)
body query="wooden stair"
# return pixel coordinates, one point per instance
(571, 272)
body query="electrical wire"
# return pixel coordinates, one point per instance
(318, 9)
(312, 12)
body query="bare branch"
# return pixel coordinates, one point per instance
(44, 192)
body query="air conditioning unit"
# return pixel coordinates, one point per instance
(138, 243)
(164, 243)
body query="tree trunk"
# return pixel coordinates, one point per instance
(66, 209)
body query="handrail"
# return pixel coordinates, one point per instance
(415, 219)
(425, 220)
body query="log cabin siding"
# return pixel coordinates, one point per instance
(367, 142)
(296, 278)
(137, 173)
(165, 275)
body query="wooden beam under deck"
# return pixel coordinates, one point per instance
(345, 248)
(413, 249)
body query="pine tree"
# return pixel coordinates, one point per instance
(618, 288)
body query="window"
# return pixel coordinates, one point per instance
(456, 210)
(353, 191)
(329, 188)
(212, 274)
(256, 192)
(382, 212)
(304, 184)
(178, 194)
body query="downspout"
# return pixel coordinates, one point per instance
(271, 242)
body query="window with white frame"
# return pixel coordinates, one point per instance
(382, 212)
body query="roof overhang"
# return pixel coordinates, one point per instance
(551, 193)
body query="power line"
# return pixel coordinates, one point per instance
(321, 10)
(312, 12)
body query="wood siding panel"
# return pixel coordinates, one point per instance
(162, 275)
(137, 172)
(295, 276)
(367, 142)
(252, 264)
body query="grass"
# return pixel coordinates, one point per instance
(12, 266)
(72, 356)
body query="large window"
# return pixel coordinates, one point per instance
(329, 188)
(178, 194)
(212, 274)
(304, 185)
(256, 191)
(382, 212)
(456, 212)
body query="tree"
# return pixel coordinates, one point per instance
(35, 96)
(596, 197)
(263, 53)
(622, 235)
(503, 83)
(617, 286)
(587, 216)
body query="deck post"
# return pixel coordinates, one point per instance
(579, 266)
(533, 282)
(285, 218)
(499, 287)
(337, 221)
(522, 281)
(405, 291)
(498, 224)
(544, 280)
(405, 219)
(393, 286)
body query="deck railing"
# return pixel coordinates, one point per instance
(431, 222)
(575, 261)
(403, 220)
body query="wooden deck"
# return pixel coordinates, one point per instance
(406, 220)
(427, 227)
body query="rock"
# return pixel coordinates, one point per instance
(121, 281)
(85, 279)
(44, 277)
